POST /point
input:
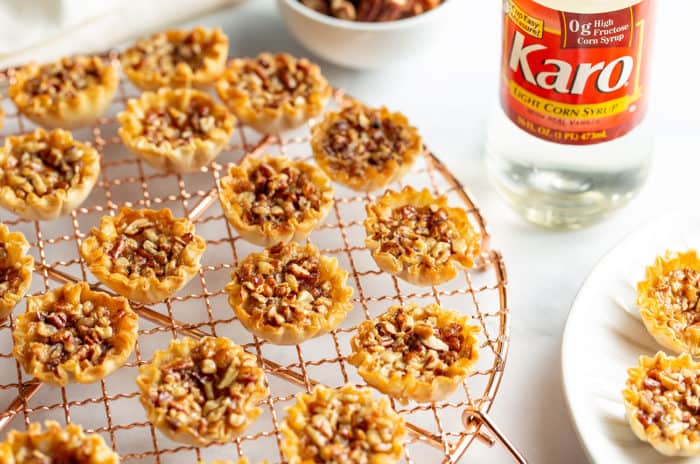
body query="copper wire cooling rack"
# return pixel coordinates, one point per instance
(111, 407)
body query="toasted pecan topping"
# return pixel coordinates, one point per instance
(679, 293)
(65, 78)
(362, 137)
(162, 52)
(34, 165)
(10, 275)
(284, 285)
(179, 126)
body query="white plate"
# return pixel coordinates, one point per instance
(604, 337)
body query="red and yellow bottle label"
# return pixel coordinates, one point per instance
(572, 78)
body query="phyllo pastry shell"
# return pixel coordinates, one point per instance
(418, 238)
(343, 425)
(289, 293)
(202, 391)
(176, 130)
(365, 148)
(274, 93)
(44, 175)
(16, 268)
(177, 58)
(69, 93)
(74, 334)
(144, 255)
(668, 301)
(55, 444)
(274, 199)
(662, 400)
(415, 353)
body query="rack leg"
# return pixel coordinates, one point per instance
(473, 417)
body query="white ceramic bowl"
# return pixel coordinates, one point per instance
(363, 45)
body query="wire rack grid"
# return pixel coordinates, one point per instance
(110, 407)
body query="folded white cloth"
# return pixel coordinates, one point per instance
(42, 30)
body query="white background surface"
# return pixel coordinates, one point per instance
(448, 94)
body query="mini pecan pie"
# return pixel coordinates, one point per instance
(415, 353)
(74, 334)
(202, 391)
(44, 175)
(16, 268)
(662, 400)
(274, 199)
(289, 293)
(668, 301)
(177, 58)
(69, 93)
(274, 93)
(144, 255)
(342, 426)
(55, 444)
(176, 130)
(419, 238)
(365, 148)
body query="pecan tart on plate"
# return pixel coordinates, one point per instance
(177, 58)
(418, 238)
(202, 391)
(415, 353)
(144, 255)
(662, 400)
(668, 301)
(69, 93)
(16, 268)
(346, 425)
(55, 444)
(176, 130)
(289, 293)
(365, 148)
(274, 199)
(274, 93)
(44, 175)
(75, 334)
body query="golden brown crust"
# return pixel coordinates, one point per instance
(274, 199)
(346, 423)
(418, 238)
(415, 353)
(365, 148)
(289, 293)
(176, 130)
(177, 58)
(144, 255)
(69, 93)
(668, 299)
(55, 444)
(202, 391)
(662, 400)
(274, 93)
(16, 268)
(44, 175)
(74, 334)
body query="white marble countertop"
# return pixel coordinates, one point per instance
(448, 94)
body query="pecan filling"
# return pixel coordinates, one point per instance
(671, 401)
(344, 430)
(274, 80)
(361, 138)
(419, 235)
(417, 347)
(9, 274)
(212, 386)
(679, 292)
(285, 287)
(80, 330)
(179, 126)
(272, 196)
(160, 52)
(38, 168)
(146, 248)
(64, 79)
